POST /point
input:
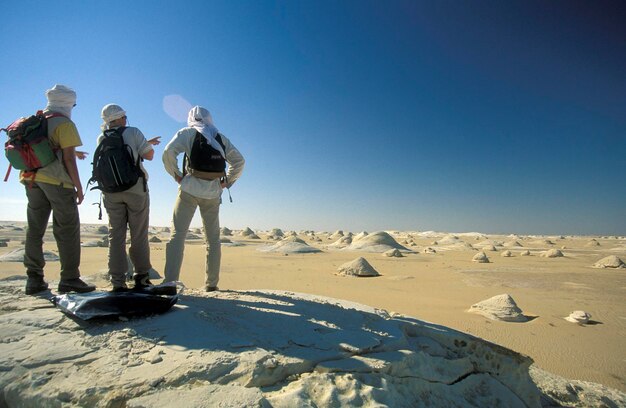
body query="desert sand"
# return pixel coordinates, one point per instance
(438, 285)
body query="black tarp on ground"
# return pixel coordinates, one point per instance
(92, 305)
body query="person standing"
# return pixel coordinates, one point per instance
(203, 178)
(56, 189)
(130, 208)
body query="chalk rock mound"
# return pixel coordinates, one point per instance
(459, 246)
(360, 235)
(289, 350)
(552, 253)
(103, 229)
(512, 244)
(525, 253)
(542, 243)
(394, 253)
(592, 243)
(578, 316)
(506, 254)
(500, 307)
(3, 244)
(165, 230)
(99, 243)
(277, 232)
(480, 257)
(17, 255)
(341, 242)
(448, 239)
(376, 242)
(336, 235)
(561, 392)
(226, 232)
(429, 250)
(490, 248)
(489, 243)
(192, 236)
(610, 261)
(359, 267)
(155, 239)
(290, 245)
(247, 232)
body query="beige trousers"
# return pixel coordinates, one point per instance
(43, 199)
(132, 211)
(184, 209)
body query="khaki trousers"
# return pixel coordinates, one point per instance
(184, 210)
(132, 211)
(44, 199)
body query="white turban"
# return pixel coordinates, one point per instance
(61, 99)
(110, 113)
(201, 120)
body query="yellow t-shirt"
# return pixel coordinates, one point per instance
(63, 136)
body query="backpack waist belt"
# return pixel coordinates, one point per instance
(206, 175)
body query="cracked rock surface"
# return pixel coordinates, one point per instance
(252, 349)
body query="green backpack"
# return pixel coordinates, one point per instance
(28, 147)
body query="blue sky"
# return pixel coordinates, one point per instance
(491, 116)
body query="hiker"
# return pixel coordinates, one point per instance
(56, 189)
(129, 205)
(203, 178)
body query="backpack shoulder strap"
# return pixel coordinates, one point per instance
(220, 141)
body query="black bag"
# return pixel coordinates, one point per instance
(204, 157)
(114, 167)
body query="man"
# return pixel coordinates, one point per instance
(201, 186)
(56, 188)
(129, 208)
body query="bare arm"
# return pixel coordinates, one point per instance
(149, 155)
(69, 160)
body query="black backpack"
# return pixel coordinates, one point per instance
(204, 157)
(114, 167)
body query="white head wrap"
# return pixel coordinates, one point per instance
(61, 99)
(201, 120)
(110, 113)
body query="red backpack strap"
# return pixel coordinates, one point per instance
(8, 172)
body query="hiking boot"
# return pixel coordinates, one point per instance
(35, 285)
(142, 281)
(119, 289)
(211, 288)
(75, 285)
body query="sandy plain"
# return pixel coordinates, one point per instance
(438, 287)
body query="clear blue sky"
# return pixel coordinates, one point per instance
(491, 116)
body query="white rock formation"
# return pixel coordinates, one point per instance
(525, 253)
(552, 253)
(506, 254)
(395, 253)
(376, 242)
(341, 242)
(247, 232)
(277, 232)
(359, 268)
(290, 245)
(500, 307)
(578, 316)
(17, 255)
(252, 349)
(610, 261)
(480, 257)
